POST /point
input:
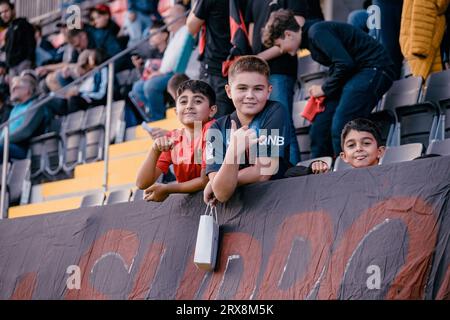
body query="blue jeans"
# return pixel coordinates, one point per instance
(358, 19)
(151, 92)
(282, 92)
(358, 97)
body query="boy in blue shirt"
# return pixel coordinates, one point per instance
(252, 143)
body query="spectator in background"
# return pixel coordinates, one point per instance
(358, 18)
(140, 17)
(45, 52)
(20, 44)
(214, 15)
(26, 126)
(360, 72)
(174, 83)
(422, 29)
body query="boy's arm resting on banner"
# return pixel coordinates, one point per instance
(159, 192)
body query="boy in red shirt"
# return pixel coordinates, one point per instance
(195, 107)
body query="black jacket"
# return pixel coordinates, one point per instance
(20, 44)
(345, 50)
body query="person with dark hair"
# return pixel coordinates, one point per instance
(252, 144)
(214, 16)
(45, 52)
(26, 122)
(360, 72)
(174, 83)
(182, 148)
(20, 44)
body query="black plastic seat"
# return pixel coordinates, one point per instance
(72, 135)
(340, 165)
(138, 195)
(304, 142)
(19, 184)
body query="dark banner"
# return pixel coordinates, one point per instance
(378, 233)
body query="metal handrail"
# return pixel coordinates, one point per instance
(110, 63)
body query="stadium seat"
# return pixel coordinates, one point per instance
(385, 120)
(340, 165)
(119, 196)
(94, 136)
(406, 152)
(307, 163)
(19, 183)
(304, 143)
(72, 135)
(403, 92)
(416, 123)
(118, 124)
(297, 109)
(309, 73)
(439, 147)
(94, 199)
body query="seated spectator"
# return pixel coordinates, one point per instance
(360, 72)
(195, 106)
(45, 52)
(29, 124)
(100, 18)
(256, 119)
(92, 91)
(175, 59)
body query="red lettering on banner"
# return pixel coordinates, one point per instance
(422, 229)
(25, 288)
(147, 272)
(313, 226)
(122, 242)
(192, 279)
(249, 250)
(444, 290)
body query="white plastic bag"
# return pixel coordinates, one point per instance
(207, 240)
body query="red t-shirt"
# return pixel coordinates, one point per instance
(186, 158)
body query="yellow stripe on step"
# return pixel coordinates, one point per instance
(44, 207)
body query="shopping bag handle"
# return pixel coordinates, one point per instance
(212, 211)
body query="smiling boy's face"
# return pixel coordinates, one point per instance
(249, 92)
(361, 149)
(193, 107)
